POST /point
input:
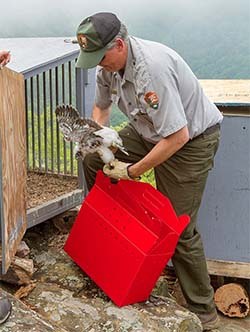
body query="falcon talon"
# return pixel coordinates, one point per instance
(114, 181)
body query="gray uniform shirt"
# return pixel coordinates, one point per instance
(153, 68)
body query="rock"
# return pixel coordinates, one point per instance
(166, 287)
(69, 300)
(78, 314)
(23, 319)
(22, 250)
(64, 295)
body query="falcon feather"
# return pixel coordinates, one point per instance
(88, 135)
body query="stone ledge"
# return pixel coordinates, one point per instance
(23, 319)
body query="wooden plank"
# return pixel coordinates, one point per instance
(228, 268)
(224, 91)
(13, 163)
(20, 271)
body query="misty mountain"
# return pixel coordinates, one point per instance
(212, 36)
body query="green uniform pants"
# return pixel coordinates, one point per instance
(182, 179)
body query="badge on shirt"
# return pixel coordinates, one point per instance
(82, 40)
(152, 99)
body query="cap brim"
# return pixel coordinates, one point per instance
(90, 59)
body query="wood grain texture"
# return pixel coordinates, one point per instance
(232, 300)
(13, 162)
(20, 271)
(228, 268)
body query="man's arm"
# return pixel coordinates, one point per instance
(162, 151)
(101, 116)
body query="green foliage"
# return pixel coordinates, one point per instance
(117, 117)
(47, 147)
(149, 175)
(120, 126)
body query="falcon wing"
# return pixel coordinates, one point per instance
(66, 112)
(93, 124)
(74, 128)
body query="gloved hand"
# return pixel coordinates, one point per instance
(117, 170)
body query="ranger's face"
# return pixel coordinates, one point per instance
(115, 59)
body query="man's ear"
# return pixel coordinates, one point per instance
(120, 44)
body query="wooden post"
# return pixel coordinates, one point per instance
(12, 163)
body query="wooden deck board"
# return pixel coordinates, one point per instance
(229, 268)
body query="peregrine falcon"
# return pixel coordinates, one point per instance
(88, 135)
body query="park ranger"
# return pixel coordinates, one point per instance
(173, 128)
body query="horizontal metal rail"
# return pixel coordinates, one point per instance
(33, 71)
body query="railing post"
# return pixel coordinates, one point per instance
(81, 82)
(80, 90)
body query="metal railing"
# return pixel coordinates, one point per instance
(60, 82)
(57, 82)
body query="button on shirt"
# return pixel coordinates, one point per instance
(155, 68)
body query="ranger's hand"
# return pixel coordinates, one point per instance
(4, 58)
(117, 170)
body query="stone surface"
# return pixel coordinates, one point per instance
(81, 313)
(66, 300)
(22, 319)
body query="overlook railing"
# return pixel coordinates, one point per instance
(45, 88)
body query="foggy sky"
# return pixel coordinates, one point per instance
(61, 17)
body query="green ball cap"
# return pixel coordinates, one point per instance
(93, 35)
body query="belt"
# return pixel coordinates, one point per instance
(209, 131)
